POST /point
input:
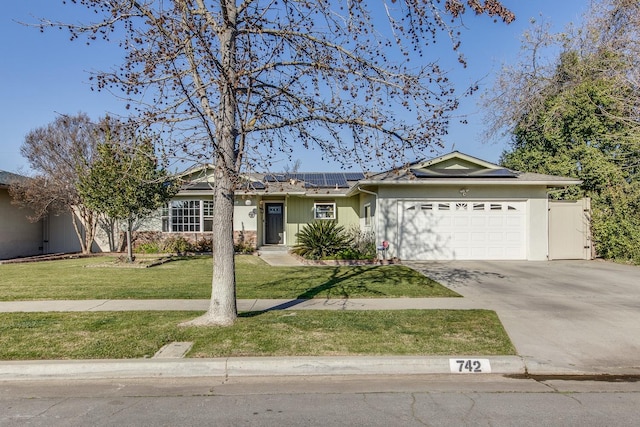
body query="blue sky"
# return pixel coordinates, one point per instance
(44, 74)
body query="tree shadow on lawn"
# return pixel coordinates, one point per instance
(341, 281)
(334, 287)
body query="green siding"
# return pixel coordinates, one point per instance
(300, 213)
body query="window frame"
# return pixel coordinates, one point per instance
(367, 215)
(187, 216)
(329, 214)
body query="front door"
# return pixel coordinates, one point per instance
(274, 223)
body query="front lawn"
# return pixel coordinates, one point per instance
(190, 278)
(117, 335)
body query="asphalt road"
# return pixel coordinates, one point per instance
(321, 401)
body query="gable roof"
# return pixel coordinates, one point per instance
(454, 168)
(460, 168)
(199, 181)
(7, 178)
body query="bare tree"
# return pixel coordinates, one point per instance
(58, 153)
(609, 36)
(233, 82)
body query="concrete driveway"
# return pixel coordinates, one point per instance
(562, 316)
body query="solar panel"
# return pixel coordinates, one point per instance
(335, 180)
(275, 177)
(256, 185)
(315, 179)
(354, 176)
(463, 173)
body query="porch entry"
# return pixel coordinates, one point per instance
(274, 223)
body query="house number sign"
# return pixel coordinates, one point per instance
(470, 366)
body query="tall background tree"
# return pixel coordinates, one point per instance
(233, 82)
(576, 114)
(58, 154)
(125, 181)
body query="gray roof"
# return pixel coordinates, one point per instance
(6, 178)
(418, 173)
(499, 176)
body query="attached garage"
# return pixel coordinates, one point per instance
(458, 207)
(462, 229)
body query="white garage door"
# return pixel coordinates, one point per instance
(446, 230)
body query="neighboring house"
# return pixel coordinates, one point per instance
(18, 236)
(451, 207)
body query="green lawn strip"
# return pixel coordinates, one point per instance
(190, 278)
(119, 335)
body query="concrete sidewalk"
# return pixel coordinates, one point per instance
(250, 366)
(243, 304)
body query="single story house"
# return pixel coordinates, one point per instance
(18, 236)
(451, 207)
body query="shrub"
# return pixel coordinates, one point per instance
(321, 239)
(244, 248)
(148, 248)
(362, 244)
(178, 245)
(147, 242)
(204, 244)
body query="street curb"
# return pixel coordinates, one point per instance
(248, 367)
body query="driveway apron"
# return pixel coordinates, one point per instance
(562, 316)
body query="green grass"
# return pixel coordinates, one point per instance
(32, 336)
(190, 278)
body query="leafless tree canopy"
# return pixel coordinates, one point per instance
(354, 79)
(609, 36)
(234, 83)
(58, 153)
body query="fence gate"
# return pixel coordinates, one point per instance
(569, 229)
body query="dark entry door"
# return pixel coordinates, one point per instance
(274, 223)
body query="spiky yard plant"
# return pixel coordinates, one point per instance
(321, 239)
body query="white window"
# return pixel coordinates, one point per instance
(367, 214)
(187, 216)
(324, 210)
(207, 215)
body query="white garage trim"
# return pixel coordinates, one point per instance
(462, 229)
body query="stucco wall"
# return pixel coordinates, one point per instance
(299, 212)
(245, 214)
(18, 236)
(60, 234)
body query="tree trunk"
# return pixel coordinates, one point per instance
(84, 223)
(129, 248)
(222, 308)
